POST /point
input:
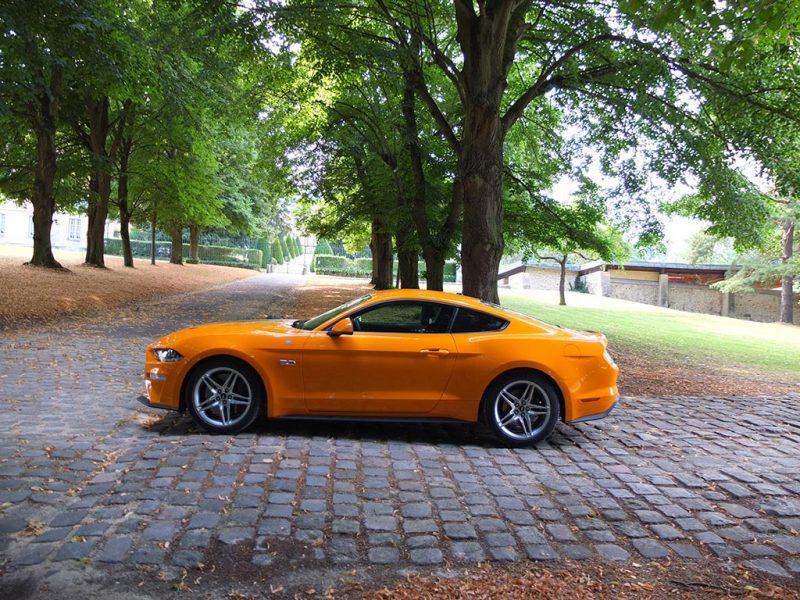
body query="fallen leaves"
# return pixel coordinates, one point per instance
(32, 294)
(34, 528)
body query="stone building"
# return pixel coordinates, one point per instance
(672, 285)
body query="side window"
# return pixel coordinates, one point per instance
(405, 317)
(470, 321)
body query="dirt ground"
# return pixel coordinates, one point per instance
(33, 294)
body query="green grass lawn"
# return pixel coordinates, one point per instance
(670, 336)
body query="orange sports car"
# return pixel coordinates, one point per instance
(399, 354)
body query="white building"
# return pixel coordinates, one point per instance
(68, 232)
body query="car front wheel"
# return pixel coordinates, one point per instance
(224, 395)
(521, 408)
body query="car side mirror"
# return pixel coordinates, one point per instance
(342, 327)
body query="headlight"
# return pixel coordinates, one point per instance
(167, 355)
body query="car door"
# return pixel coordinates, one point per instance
(398, 361)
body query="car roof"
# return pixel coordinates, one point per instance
(414, 294)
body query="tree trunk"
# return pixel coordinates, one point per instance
(434, 271)
(44, 112)
(122, 202)
(124, 234)
(100, 181)
(407, 261)
(481, 172)
(382, 257)
(787, 281)
(176, 252)
(373, 250)
(153, 238)
(194, 241)
(562, 296)
(434, 246)
(408, 268)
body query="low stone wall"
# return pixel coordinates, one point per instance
(537, 278)
(762, 305)
(644, 292)
(695, 298)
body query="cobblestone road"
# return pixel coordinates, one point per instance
(87, 474)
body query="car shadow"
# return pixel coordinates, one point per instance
(434, 433)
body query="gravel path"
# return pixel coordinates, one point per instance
(94, 488)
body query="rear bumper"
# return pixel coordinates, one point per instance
(596, 416)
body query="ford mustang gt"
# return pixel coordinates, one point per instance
(400, 354)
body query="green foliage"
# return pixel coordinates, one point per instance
(277, 252)
(285, 251)
(206, 254)
(705, 248)
(329, 264)
(579, 285)
(266, 252)
(323, 247)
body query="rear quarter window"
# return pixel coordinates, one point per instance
(472, 321)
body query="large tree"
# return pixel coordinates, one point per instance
(48, 48)
(500, 58)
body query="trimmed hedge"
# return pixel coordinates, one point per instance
(266, 252)
(323, 247)
(206, 254)
(329, 264)
(277, 252)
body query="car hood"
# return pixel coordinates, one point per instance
(265, 328)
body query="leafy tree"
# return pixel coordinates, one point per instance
(559, 231)
(49, 49)
(629, 73)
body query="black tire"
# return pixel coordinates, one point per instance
(224, 395)
(512, 396)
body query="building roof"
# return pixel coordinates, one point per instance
(630, 265)
(659, 267)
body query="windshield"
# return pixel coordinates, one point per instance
(320, 319)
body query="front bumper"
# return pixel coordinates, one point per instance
(146, 401)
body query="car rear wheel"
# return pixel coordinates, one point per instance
(521, 408)
(224, 395)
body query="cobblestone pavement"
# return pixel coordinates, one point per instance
(87, 474)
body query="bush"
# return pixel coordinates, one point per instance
(287, 254)
(205, 254)
(266, 252)
(580, 285)
(277, 252)
(323, 247)
(224, 263)
(450, 272)
(139, 249)
(364, 265)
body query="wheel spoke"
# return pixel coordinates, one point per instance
(208, 402)
(224, 412)
(510, 416)
(526, 424)
(239, 402)
(210, 383)
(231, 379)
(538, 410)
(509, 399)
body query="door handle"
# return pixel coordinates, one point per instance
(435, 351)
